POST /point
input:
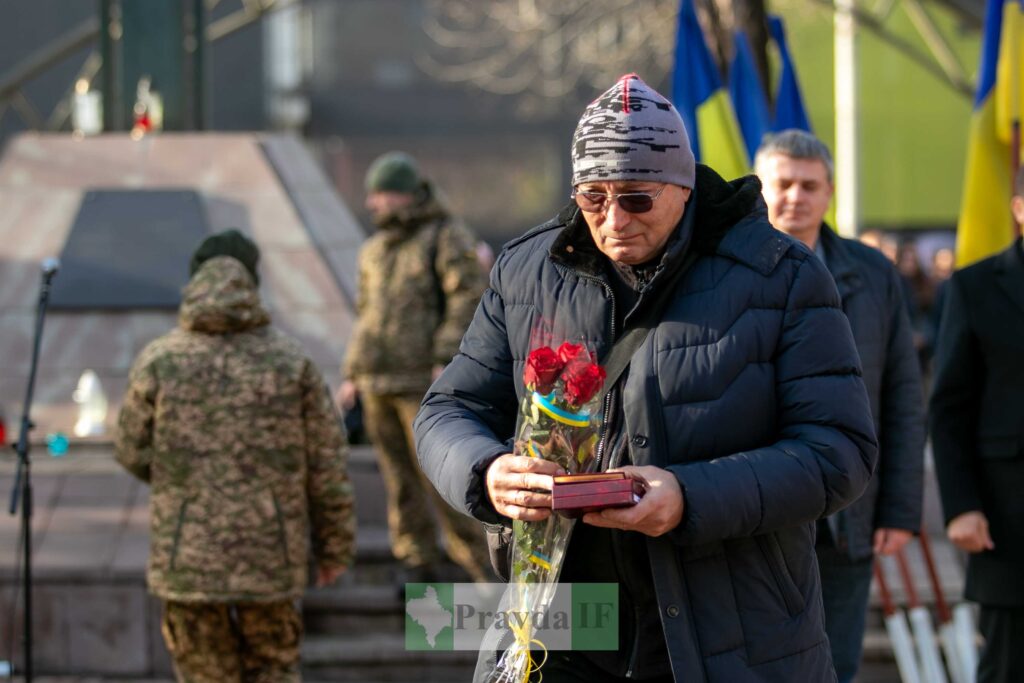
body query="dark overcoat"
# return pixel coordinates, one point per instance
(870, 289)
(977, 417)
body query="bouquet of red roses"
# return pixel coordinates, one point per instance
(558, 421)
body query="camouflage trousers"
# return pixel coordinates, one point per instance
(388, 420)
(233, 642)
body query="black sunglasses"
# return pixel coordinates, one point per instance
(632, 202)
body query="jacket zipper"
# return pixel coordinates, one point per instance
(624, 588)
(177, 533)
(636, 641)
(281, 530)
(608, 397)
(601, 447)
(605, 431)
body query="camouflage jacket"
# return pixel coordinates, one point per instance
(419, 284)
(233, 428)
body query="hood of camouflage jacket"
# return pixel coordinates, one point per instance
(221, 298)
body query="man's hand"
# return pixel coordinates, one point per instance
(658, 512)
(891, 541)
(969, 532)
(346, 395)
(325, 576)
(520, 487)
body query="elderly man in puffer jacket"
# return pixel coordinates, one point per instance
(743, 409)
(234, 429)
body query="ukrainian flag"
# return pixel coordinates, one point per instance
(790, 111)
(985, 225)
(748, 98)
(703, 103)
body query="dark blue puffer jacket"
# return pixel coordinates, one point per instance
(749, 391)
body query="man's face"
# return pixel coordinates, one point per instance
(634, 238)
(1017, 208)
(797, 192)
(383, 204)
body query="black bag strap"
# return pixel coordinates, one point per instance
(621, 353)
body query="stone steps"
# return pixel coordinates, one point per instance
(382, 658)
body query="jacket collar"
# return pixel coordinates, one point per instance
(724, 216)
(1009, 269)
(840, 262)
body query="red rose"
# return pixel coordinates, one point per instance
(542, 368)
(569, 352)
(583, 382)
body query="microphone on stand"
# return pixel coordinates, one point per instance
(50, 266)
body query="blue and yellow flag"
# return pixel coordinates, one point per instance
(790, 111)
(749, 101)
(703, 103)
(748, 98)
(986, 226)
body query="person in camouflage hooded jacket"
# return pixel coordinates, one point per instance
(419, 284)
(234, 429)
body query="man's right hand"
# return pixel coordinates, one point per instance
(325, 576)
(520, 487)
(969, 532)
(346, 395)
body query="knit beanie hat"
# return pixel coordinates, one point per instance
(393, 172)
(227, 243)
(631, 132)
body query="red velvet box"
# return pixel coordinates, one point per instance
(573, 495)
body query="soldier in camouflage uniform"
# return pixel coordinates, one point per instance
(234, 429)
(419, 284)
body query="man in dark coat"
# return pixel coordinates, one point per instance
(743, 409)
(795, 169)
(977, 432)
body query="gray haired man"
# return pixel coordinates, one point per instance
(796, 172)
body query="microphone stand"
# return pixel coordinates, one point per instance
(22, 479)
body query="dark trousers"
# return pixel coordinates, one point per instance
(845, 587)
(572, 667)
(1002, 656)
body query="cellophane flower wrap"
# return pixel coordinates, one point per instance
(559, 420)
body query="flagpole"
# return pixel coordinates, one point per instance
(846, 161)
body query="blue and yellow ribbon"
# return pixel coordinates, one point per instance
(545, 404)
(540, 559)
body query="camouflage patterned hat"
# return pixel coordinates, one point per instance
(227, 243)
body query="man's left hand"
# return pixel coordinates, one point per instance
(891, 541)
(658, 512)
